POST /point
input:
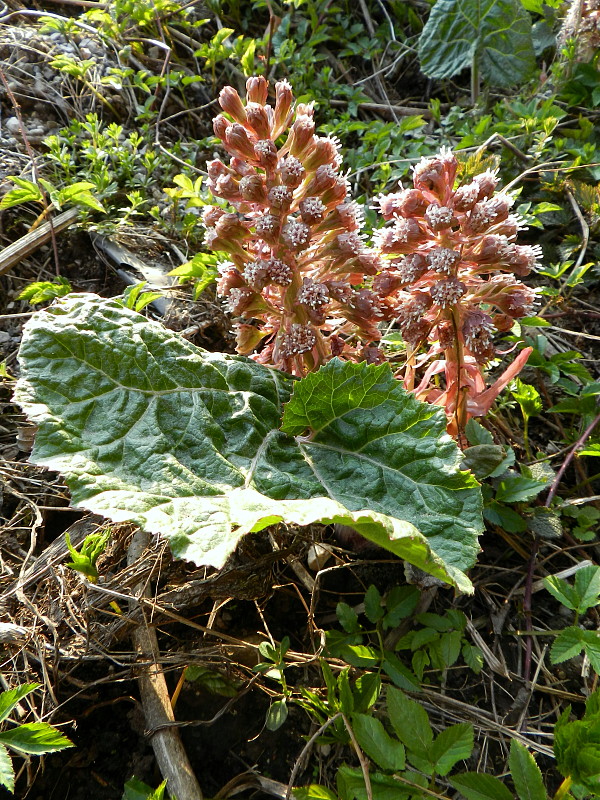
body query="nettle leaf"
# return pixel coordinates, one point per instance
(493, 35)
(148, 428)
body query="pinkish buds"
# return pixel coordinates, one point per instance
(258, 120)
(257, 90)
(283, 107)
(230, 102)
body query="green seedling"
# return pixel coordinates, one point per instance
(44, 291)
(84, 559)
(137, 298)
(530, 403)
(274, 667)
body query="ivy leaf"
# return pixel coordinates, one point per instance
(493, 35)
(525, 773)
(386, 752)
(148, 428)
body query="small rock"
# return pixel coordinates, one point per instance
(12, 125)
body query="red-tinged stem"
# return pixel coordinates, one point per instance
(555, 483)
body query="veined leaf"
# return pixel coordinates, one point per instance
(10, 698)
(7, 771)
(148, 428)
(525, 773)
(567, 644)
(495, 35)
(479, 786)
(384, 750)
(452, 745)
(35, 738)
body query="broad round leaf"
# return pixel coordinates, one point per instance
(146, 427)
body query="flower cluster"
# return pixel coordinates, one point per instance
(451, 274)
(297, 260)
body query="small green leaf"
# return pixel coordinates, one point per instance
(587, 587)
(525, 773)
(479, 786)
(345, 692)
(135, 789)
(591, 644)
(516, 489)
(314, 792)
(35, 738)
(43, 291)
(276, 715)
(211, 680)
(483, 459)
(473, 657)
(450, 644)
(359, 655)
(452, 745)
(7, 771)
(366, 691)
(410, 721)
(348, 618)
(10, 698)
(534, 322)
(386, 752)
(373, 606)
(545, 523)
(567, 644)
(399, 674)
(400, 603)
(563, 591)
(477, 434)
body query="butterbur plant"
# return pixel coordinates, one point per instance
(295, 248)
(451, 278)
(445, 268)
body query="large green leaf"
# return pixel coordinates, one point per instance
(495, 35)
(146, 427)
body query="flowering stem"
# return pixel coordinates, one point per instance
(461, 395)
